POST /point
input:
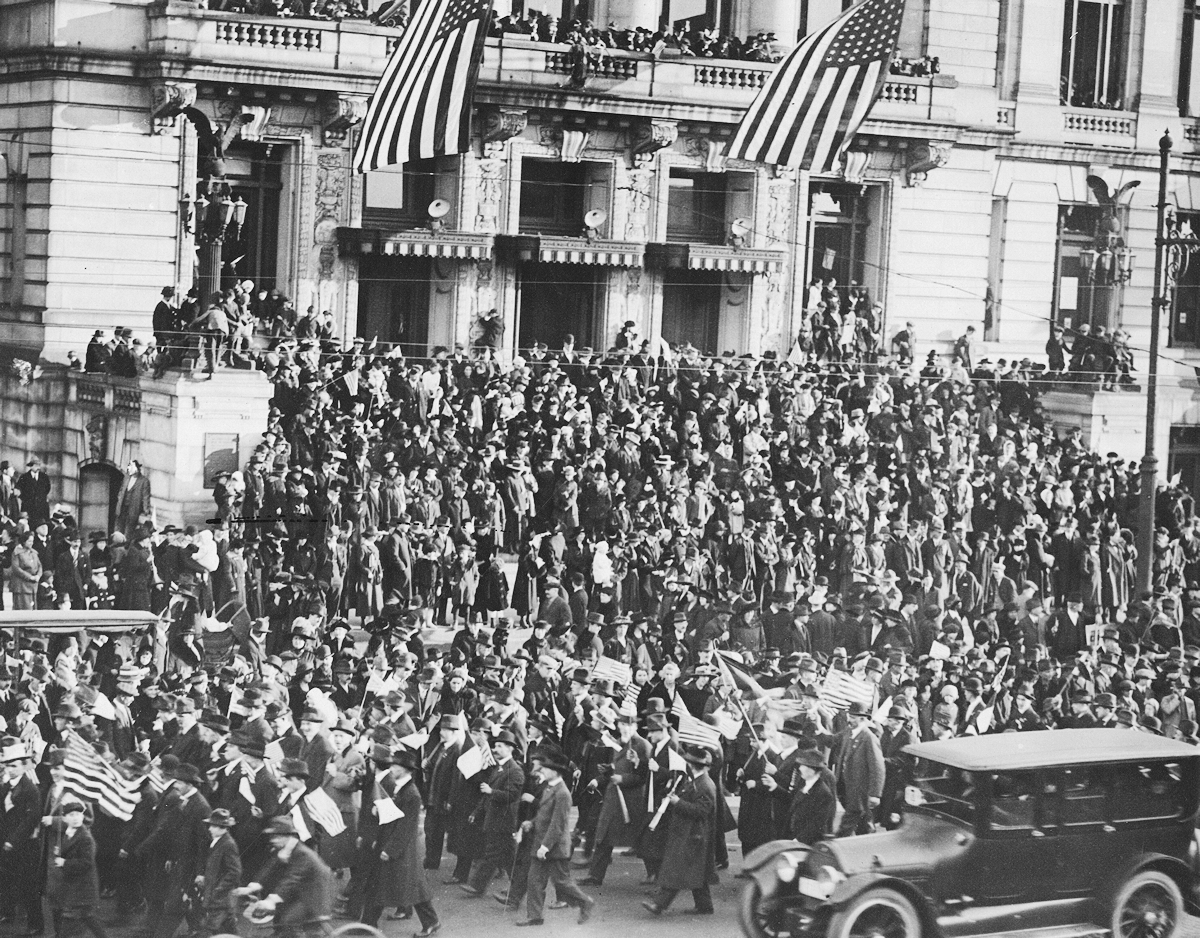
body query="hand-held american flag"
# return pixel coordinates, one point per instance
(422, 106)
(812, 105)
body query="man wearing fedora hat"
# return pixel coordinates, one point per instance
(393, 850)
(178, 844)
(299, 886)
(689, 858)
(222, 876)
(502, 796)
(860, 772)
(20, 819)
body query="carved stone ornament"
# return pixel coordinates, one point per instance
(855, 165)
(574, 142)
(167, 100)
(651, 136)
(254, 121)
(924, 158)
(787, 173)
(342, 113)
(96, 431)
(501, 124)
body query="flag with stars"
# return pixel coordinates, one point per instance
(422, 105)
(812, 105)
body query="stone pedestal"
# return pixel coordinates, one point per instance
(86, 428)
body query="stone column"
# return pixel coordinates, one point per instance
(630, 14)
(781, 17)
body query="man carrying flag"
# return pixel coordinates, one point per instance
(815, 101)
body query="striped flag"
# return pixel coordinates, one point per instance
(812, 105)
(91, 779)
(422, 105)
(693, 732)
(610, 669)
(324, 811)
(738, 676)
(842, 689)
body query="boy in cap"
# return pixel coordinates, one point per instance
(222, 875)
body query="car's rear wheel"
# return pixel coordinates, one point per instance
(1149, 905)
(876, 913)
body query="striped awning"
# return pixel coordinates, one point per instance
(600, 253)
(702, 257)
(468, 247)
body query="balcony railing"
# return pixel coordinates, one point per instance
(358, 50)
(1100, 123)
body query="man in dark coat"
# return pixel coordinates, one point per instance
(181, 838)
(133, 501)
(34, 489)
(392, 850)
(222, 875)
(814, 803)
(443, 766)
(898, 764)
(71, 574)
(299, 886)
(689, 861)
(20, 820)
(502, 795)
(622, 813)
(860, 772)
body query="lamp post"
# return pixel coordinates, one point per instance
(1174, 245)
(214, 213)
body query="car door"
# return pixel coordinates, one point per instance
(1016, 857)
(1077, 804)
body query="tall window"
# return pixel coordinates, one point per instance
(399, 195)
(696, 207)
(1185, 297)
(1073, 296)
(552, 196)
(1189, 60)
(1093, 58)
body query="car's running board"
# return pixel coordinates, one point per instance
(1061, 918)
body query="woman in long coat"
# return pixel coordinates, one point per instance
(25, 574)
(137, 577)
(756, 817)
(344, 776)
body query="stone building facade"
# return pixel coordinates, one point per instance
(965, 200)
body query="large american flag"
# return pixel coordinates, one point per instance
(422, 106)
(812, 105)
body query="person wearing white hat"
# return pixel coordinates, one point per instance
(19, 823)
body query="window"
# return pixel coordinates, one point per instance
(1093, 57)
(1014, 801)
(1189, 61)
(1185, 458)
(1185, 295)
(1148, 791)
(400, 193)
(1073, 294)
(552, 197)
(1082, 797)
(947, 791)
(696, 207)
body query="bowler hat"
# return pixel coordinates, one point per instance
(280, 827)
(698, 755)
(858, 709)
(186, 772)
(293, 768)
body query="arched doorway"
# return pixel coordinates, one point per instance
(99, 486)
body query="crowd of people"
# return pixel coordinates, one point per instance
(530, 612)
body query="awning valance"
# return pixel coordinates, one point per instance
(583, 251)
(712, 257)
(443, 244)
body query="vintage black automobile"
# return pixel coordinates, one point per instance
(1057, 834)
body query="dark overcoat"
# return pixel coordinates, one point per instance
(689, 860)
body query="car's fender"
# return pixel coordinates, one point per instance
(844, 892)
(760, 856)
(758, 866)
(1174, 867)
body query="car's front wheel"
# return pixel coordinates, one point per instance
(876, 913)
(1149, 905)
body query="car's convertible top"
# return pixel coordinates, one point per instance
(1011, 751)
